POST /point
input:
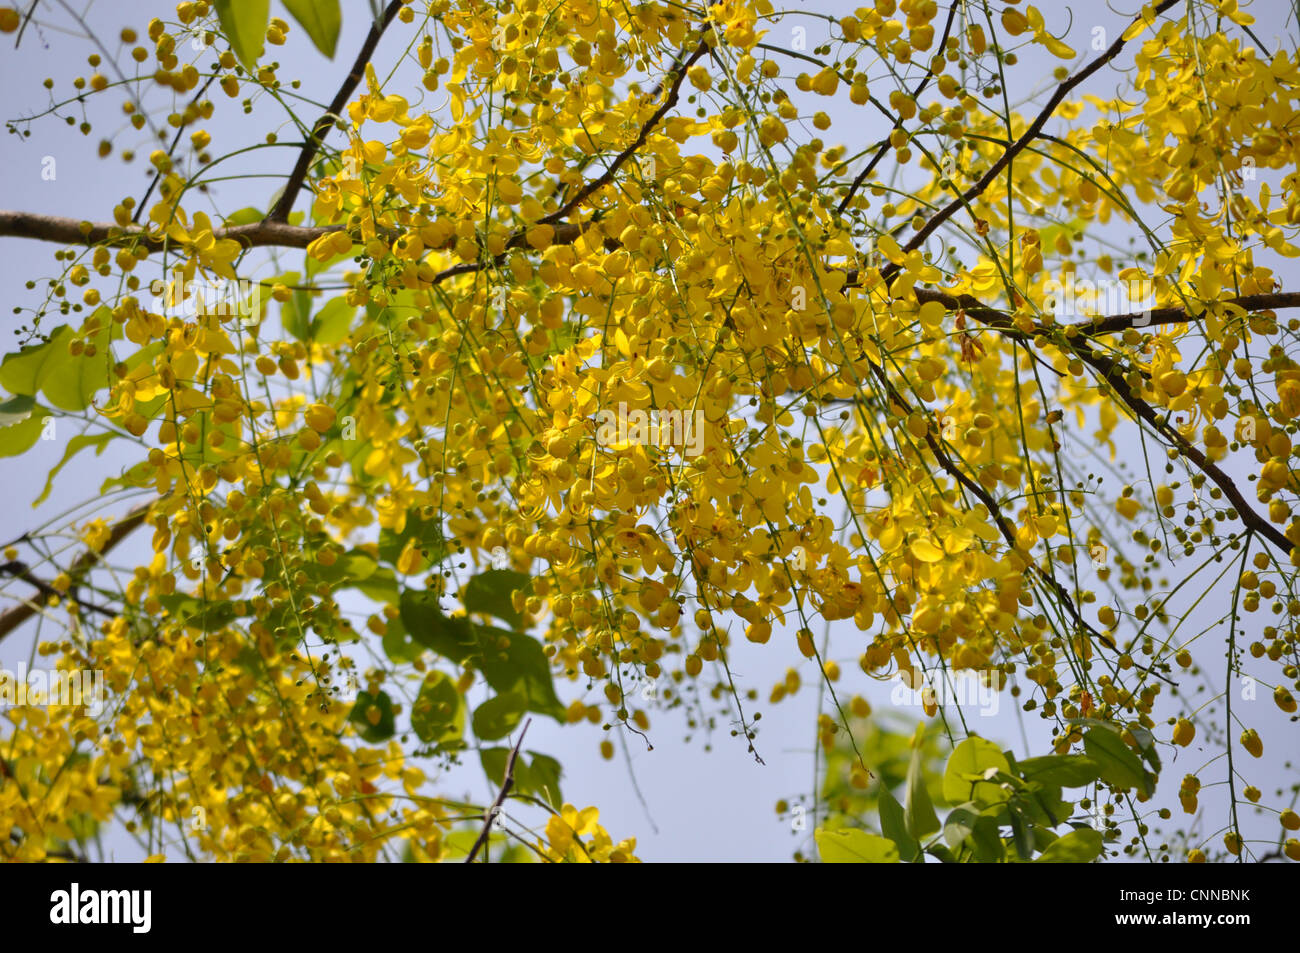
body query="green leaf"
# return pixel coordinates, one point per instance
(244, 24)
(1146, 743)
(1021, 836)
(514, 662)
(852, 846)
(99, 441)
(544, 782)
(142, 474)
(1080, 846)
(941, 853)
(26, 371)
(357, 570)
(438, 714)
(511, 662)
(458, 843)
(295, 315)
(540, 777)
(985, 841)
(1049, 233)
(499, 715)
(450, 637)
(321, 19)
(18, 437)
(893, 824)
(16, 409)
(355, 566)
(245, 216)
(1120, 766)
(918, 809)
(490, 592)
(494, 761)
(74, 381)
(1043, 838)
(969, 762)
(381, 585)
(383, 727)
(1061, 770)
(196, 614)
(1043, 804)
(428, 533)
(332, 322)
(398, 644)
(961, 821)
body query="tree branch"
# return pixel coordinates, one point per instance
(280, 213)
(71, 231)
(882, 147)
(1109, 324)
(1109, 371)
(13, 618)
(1016, 147)
(171, 150)
(604, 179)
(20, 570)
(1004, 525)
(1139, 319)
(507, 783)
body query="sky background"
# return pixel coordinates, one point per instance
(704, 800)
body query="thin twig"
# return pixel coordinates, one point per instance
(20, 570)
(171, 150)
(1016, 147)
(280, 213)
(506, 784)
(882, 147)
(604, 179)
(12, 618)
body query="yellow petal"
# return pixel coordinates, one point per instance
(926, 551)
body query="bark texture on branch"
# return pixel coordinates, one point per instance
(72, 231)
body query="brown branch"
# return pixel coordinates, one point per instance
(12, 618)
(1016, 147)
(882, 147)
(20, 570)
(566, 233)
(1112, 375)
(1122, 322)
(54, 228)
(280, 213)
(274, 231)
(171, 150)
(1108, 324)
(1004, 525)
(506, 784)
(558, 188)
(604, 179)
(71, 231)
(1110, 372)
